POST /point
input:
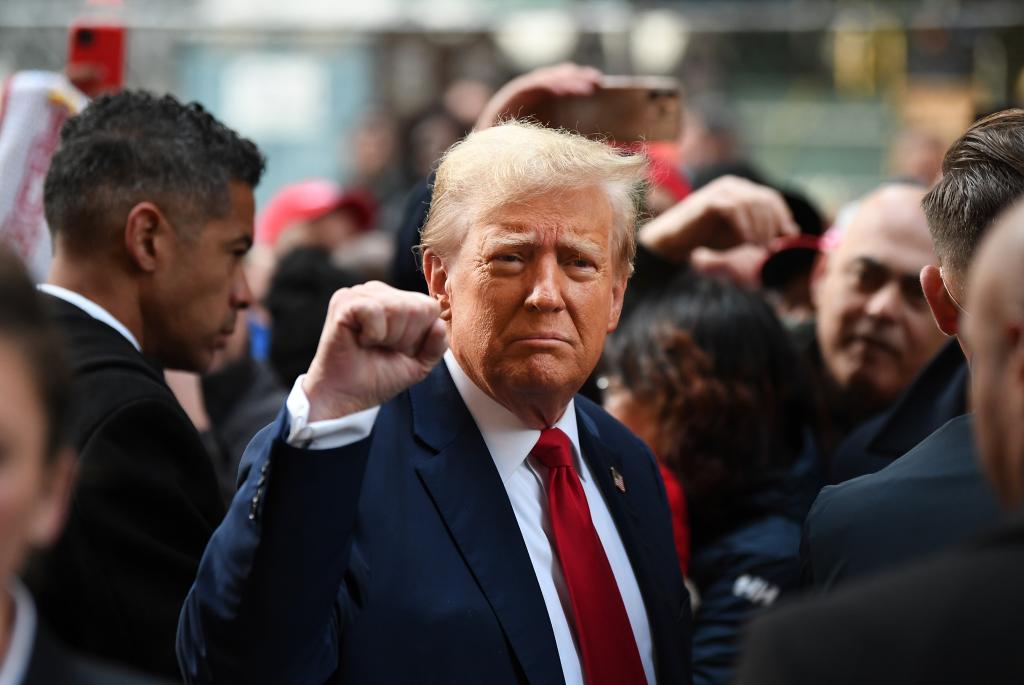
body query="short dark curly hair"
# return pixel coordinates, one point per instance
(982, 174)
(135, 146)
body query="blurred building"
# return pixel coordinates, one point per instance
(817, 89)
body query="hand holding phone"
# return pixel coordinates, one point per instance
(96, 53)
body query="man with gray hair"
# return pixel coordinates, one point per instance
(471, 522)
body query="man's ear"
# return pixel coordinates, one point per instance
(944, 310)
(436, 274)
(144, 230)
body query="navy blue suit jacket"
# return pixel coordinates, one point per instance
(932, 497)
(398, 559)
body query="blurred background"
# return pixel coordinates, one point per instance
(832, 97)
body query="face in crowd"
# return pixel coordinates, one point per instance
(534, 282)
(993, 325)
(195, 292)
(873, 324)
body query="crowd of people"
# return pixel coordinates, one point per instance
(588, 414)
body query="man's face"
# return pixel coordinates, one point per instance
(873, 323)
(997, 385)
(531, 295)
(200, 289)
(32, 491)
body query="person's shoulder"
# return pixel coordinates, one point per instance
(52, 663)
(896, 627)
(853, 493)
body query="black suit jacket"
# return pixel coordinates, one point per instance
(930, 498)
(52, 664)
(937, 394)
(955, 619)
(145, 505)
(398, 559)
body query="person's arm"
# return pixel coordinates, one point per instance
(263, 607)
(726, 213)
(744, 585)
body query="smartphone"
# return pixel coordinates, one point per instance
(96, 57)
(625, 109)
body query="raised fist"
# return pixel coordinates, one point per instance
(376, 342)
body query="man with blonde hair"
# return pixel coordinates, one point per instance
(471, 522)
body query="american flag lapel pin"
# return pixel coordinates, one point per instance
(620, 482)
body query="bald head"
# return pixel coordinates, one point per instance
(995, 330)
(874, 327)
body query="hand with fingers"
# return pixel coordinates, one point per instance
(524, 91)
(376, 342)
(728, 212)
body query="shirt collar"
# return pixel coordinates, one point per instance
(508, 440)
(91, 308)
(23, 634)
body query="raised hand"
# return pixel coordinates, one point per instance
(376, 342)
(558, 80)
(726, 213)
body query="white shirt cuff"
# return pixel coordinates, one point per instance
(326, 434)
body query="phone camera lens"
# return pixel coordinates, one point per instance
(85, 36)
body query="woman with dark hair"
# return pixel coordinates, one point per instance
(707, 376)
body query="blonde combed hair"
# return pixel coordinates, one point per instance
(516, 160)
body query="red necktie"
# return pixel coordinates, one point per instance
(607, 645)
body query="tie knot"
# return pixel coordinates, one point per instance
(553, 448)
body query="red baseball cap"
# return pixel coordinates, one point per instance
(308, 200)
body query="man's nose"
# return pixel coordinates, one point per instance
(546, 292)
(241, 294)
(886, 302)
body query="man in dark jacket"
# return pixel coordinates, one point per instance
(150, 203)
(957, 618)
(933, 496)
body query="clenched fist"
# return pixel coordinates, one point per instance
(376, 342)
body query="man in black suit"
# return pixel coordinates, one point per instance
(151, 208)
(934, 495)
(957, 618)
(35, 482)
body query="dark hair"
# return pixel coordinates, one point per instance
(299, 295)
(982, 174)
(134, 146)
(24, 321)
(724, 381)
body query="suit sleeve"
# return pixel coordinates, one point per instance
(264, 608)
(144, 507)
(744, 586)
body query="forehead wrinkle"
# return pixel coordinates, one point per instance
(512, 236)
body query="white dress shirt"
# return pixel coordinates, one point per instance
(509, 442)
(90, 308)
(15, 662)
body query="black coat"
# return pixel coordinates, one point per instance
(52, 664)
(937, 394)
(930, 498)
(145, 505)
(955, 619)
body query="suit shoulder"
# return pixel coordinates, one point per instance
(851, 498)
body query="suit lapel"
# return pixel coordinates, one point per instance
(466, 489)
